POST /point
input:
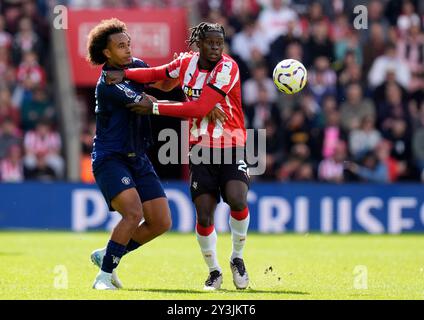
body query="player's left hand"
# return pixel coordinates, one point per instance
(144, 107)
(217, 114)
(181, 55)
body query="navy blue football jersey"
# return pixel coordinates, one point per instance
(119, 130)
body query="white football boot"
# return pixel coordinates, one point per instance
(103, 281)
(240, 276)
(214, 281)
(97, 259)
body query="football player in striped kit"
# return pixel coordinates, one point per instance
(210, 79)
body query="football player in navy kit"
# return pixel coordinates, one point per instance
(120, 165)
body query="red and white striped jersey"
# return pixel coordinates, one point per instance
(10, 171)
(225, 78)
(36, 143)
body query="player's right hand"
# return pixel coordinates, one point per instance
(114, 76)
(144, 106)
(217, 114)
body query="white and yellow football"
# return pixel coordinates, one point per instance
(290, 76)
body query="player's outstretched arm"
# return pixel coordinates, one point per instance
(191, 109)
(141, 75)
(204, 106)
(158, 75)
(165, 85)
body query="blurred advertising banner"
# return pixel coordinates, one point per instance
(274, 208)
(155, 35)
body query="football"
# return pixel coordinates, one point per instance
(289, 76)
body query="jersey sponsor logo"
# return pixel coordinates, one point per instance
(192, 93)
(126, 180)
(194, 185)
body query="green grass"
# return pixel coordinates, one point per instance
(171, 267)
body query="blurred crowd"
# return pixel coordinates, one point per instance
(30, 144)
(360, 117)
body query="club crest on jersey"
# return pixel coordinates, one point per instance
(126, 181)
(192, 93)
(129, 93)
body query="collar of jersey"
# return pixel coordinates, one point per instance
(208, 71)
(108, 68)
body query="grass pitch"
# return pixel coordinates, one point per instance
(55, 265)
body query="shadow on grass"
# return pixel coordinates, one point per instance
(361, 295)
(265, 291)
(248, 291)
(11, 253)
(166, 290)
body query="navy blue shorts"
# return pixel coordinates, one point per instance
(116, 173)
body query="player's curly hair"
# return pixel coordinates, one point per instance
(198, 32)
(98, 39)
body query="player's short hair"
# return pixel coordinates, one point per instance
(98, 39)
(199, 32)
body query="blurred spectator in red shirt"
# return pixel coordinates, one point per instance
(46, 142)
(87, 147)
(11, 167)
(341, 27)
(7, 71)
(30, 69)
(7, 108)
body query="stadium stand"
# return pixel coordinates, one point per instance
(363, 102)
